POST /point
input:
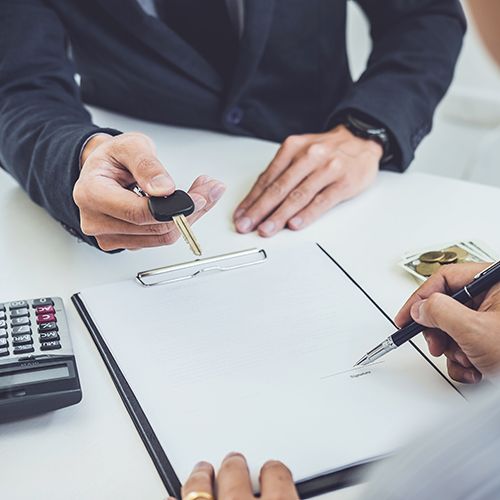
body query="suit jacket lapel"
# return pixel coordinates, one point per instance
(158, 36)
(257, 23)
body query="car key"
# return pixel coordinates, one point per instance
(175, 208)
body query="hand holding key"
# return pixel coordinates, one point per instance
(117, 217)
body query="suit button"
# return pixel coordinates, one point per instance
(234, 116)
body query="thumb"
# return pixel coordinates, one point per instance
(442, 312)
(152, 176)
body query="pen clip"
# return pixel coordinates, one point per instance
(487, 270)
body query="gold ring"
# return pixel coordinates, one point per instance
(199, 495)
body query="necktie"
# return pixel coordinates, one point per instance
(206, 26)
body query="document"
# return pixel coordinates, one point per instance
(259, 360)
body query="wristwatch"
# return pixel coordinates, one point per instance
(364, 130)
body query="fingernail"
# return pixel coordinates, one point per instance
(416, 310)
(239, 213)
(267, 227)
(216, 192)
(160, 184)
(244, 225)
(202, 465)
(203, 179)
(235, 454)
(296, 223)
(199, 202)
(471, 377)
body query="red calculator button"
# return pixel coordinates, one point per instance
(45, 310)
(45, 318)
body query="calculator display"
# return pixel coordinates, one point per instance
(40, 375)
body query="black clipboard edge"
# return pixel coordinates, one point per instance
(367, 295)
(136, 413)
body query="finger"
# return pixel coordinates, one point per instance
(201, 480)
(437, 341)
(449, 279)
(275, 193)
(108, 197)
(137, 153)
(298, 199)
(211, 191)
(111, 242)
(321, 203)
(290, 147)
(442, 312)
(97, 224)
(460, 374)
(454, 353)
(276, 481)
(233, 479)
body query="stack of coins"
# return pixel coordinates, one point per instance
(430, 262)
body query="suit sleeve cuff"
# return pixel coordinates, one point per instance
(403, 143)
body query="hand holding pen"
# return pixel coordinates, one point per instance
(469, 337)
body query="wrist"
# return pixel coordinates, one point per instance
(370, 145)
(364, 127)
(91, 144)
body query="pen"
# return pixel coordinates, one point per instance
(481, 282)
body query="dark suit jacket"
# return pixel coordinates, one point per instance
(292, 77)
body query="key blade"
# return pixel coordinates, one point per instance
(184, 227)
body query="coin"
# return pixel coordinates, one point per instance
(449, 258)
(462, 254)
(427, 268)
(431, 257)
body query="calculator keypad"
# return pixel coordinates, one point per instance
(18, 304)
(46, 301)
(30, 326)
(50, 346)
(47, 327)
(48, 336)
(46, 318)
(18, 313)
(23, 349)
(19, 321)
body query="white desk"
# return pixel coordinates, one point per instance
(91, 451)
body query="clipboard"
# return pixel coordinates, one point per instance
(313, 486)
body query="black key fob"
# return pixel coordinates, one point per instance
(163, 208)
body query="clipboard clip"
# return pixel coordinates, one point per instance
(189, 270)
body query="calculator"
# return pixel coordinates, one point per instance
(37, 366)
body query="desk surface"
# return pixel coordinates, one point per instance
(92, 451)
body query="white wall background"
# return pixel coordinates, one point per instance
(465, 141)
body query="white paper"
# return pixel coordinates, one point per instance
(259, 360)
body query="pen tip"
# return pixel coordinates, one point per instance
(360, 362)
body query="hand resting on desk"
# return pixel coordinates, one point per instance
(116, 216)
(309, 175)
(468, 337)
